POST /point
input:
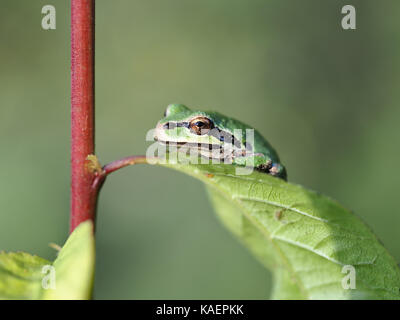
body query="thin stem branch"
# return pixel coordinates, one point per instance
(102, 174)
(83, 200)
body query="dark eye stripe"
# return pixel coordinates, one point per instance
(215, 132)
(173, 125)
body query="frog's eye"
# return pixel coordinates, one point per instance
(200, 125)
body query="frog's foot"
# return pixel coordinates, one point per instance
(273, 169)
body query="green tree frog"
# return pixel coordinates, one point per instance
(215, 136)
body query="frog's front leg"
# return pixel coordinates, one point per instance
(255, 160)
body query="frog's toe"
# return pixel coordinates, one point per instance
(274, 169)
(279, 171)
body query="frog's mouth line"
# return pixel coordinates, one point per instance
(192, 145)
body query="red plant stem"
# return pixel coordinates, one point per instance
(83, 199)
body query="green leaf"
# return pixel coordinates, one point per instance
(303, 237)
(21, 275)
(24, 276)
(74, 266)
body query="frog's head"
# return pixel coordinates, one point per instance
(182, 125)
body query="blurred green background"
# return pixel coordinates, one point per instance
(326, 99)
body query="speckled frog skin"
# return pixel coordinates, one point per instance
(215, 136)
